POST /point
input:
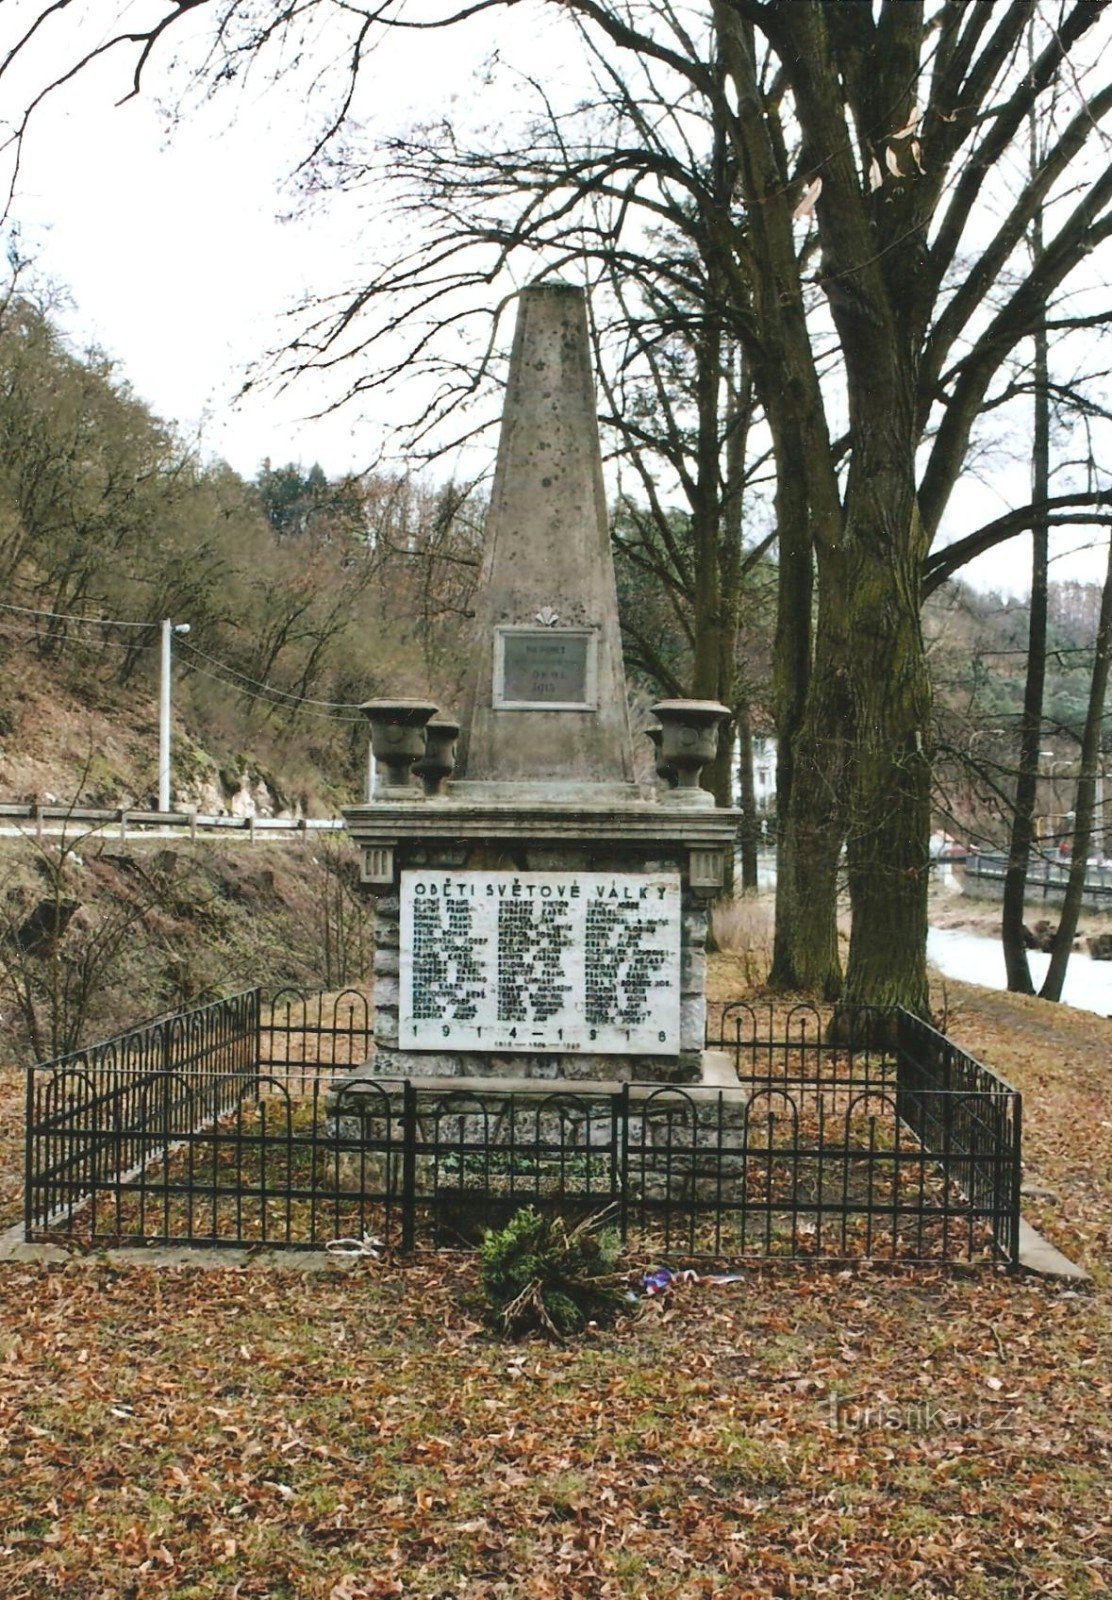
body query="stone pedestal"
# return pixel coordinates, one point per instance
(646, 843)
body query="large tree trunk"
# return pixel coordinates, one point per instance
(808, 794)
(805, 950)
(888, 824)
(887, 850)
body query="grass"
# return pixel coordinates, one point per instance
(272, 1433)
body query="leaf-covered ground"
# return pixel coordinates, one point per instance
(191, 1433)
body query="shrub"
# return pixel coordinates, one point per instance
(538, 1273)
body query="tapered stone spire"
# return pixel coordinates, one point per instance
(547, 700)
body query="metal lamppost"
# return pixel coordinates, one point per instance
(168, 629)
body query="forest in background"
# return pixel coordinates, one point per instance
(303, 596)
(977, 645)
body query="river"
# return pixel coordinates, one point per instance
(977, 959)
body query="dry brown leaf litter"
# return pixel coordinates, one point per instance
(182, 1433)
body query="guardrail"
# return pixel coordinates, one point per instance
(39, 818)
(1046, 879)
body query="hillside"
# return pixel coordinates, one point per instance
(977, 648)
(298, 596)
(96, 935)
(69, 733)
(302, 597)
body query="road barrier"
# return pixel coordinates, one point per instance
(59, 819)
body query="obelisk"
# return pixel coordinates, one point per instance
(539, 914)
(547, 698)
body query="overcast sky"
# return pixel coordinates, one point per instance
(172, 250)
(176, 262)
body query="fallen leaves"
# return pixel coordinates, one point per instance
(803, 1431)
(182, 1434)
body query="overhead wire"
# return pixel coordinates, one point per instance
(229, 675)
(64, 616)
(336, 705)
(11, 630)
(326, 716)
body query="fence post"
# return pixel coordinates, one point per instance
(409, 1165)
(622, 1099)
(947, 1113)
(1016, 1183)
(901, 1061)
(167, 1108)
(258, 1003)
(28, 1155)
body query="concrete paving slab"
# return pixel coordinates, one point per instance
(14, 1248)
(1037, 1254)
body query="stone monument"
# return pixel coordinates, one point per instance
(539, 913)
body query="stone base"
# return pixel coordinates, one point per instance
(688, 1140)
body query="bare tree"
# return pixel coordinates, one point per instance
(862, 145)
(1084, 804)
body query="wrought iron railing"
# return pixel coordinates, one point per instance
(960, 1114)
(98, 1114)
(305, 1035)
(910, 1150)
(969, 1118)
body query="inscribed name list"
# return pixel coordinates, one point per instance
(540, 961)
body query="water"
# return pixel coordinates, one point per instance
(977, 959)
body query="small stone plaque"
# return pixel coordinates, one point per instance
(545, 668)
(540, 962)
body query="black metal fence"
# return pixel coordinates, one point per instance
(942, 1132)
(245, 1124)
(304, 1035)
(99, 1117)
(969, 1118)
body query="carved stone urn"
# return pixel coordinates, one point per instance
(397, 736)
(438, 762)
(689, 737)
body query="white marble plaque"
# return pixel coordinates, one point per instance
(540, 961)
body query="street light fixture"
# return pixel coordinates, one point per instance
(168, 630)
